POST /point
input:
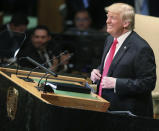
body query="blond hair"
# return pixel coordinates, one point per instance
(126, 12)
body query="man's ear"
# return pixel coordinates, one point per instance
(126, 24)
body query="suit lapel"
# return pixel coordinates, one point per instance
(106, 50)
(121, 52)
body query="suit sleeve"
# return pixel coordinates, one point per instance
(145, 71)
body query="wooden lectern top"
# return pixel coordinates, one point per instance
(59, 98)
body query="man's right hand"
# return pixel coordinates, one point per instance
(55, 63)
(95, 75)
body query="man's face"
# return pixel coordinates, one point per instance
(19, 28)
(115, 24)
(40, 38)
(82, 21)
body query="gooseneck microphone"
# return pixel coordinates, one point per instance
(43, 86)
(38, 87)
(14, 59)
(41, 66)
(46, 63)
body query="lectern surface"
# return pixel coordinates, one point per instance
(73, 94)
(58, 98)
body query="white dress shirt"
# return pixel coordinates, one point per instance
(120, 40)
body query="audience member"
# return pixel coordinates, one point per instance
(12, 36)
(95, 8)
(18, 23)
(72, 6)
(82, 22)
(42, 49)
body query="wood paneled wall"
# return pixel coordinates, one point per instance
(48, 14)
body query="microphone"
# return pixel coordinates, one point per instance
(14, 60)
(44, 87)
(38, 87)
(45, 64)
(41, 66)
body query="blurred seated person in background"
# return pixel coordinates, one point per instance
(82, 22)
(18, 23)
(42, 49)
(67, 61)
(12, 36)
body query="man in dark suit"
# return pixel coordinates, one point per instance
(126, 76)
(12, 36)
(42, 48)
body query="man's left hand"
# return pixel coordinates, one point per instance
(108, 82)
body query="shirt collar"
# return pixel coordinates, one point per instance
(122, 38)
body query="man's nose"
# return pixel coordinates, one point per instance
(108, 20)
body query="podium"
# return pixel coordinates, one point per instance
(23, 108)
(59, 98)
(19, 99)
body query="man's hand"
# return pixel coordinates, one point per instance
(65, 58)
(95, 75)
(55, 63)
(108, 82)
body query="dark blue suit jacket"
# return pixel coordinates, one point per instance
(135, 69)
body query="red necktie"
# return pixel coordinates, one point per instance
(107, 63)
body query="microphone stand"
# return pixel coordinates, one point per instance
(29, 80)
(15, 59)
(41, 79)
(40, 66)
(17, 67)
(43, 87)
